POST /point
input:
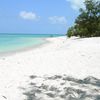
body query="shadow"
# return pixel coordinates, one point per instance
(62, 87)
(88, 80)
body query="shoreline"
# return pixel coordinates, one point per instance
(56, 50)
(26, 49)
(30, 48)
(53, 45)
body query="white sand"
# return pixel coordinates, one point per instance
(74, 57)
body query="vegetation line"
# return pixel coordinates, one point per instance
(87, 24)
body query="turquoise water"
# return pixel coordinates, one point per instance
(10, 42)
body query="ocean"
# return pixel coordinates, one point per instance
(12, 42)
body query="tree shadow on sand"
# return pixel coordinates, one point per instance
(62, 88)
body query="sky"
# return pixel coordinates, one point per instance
(38, 16)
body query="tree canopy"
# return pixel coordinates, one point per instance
(87, 24)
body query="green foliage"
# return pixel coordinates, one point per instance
(70, 32)
(87, 23)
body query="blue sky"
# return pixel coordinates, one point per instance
(38, 16)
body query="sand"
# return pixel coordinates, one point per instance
(74, 57)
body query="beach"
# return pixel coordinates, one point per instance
(75, 57)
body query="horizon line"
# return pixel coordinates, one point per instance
(32, 33)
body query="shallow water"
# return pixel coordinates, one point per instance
(11, 42)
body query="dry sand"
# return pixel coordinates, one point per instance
(74, 57)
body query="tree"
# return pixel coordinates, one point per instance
(87, 23)
(70, 32)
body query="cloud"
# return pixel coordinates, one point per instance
(28, 15)
(58, 20)
(76, 4)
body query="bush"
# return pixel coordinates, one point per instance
(70, 32)
(87, 23)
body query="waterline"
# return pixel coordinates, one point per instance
(13, 42)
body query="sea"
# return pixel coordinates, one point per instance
(13, 42)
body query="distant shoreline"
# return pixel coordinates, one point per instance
(13, 43)
(9, 53)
